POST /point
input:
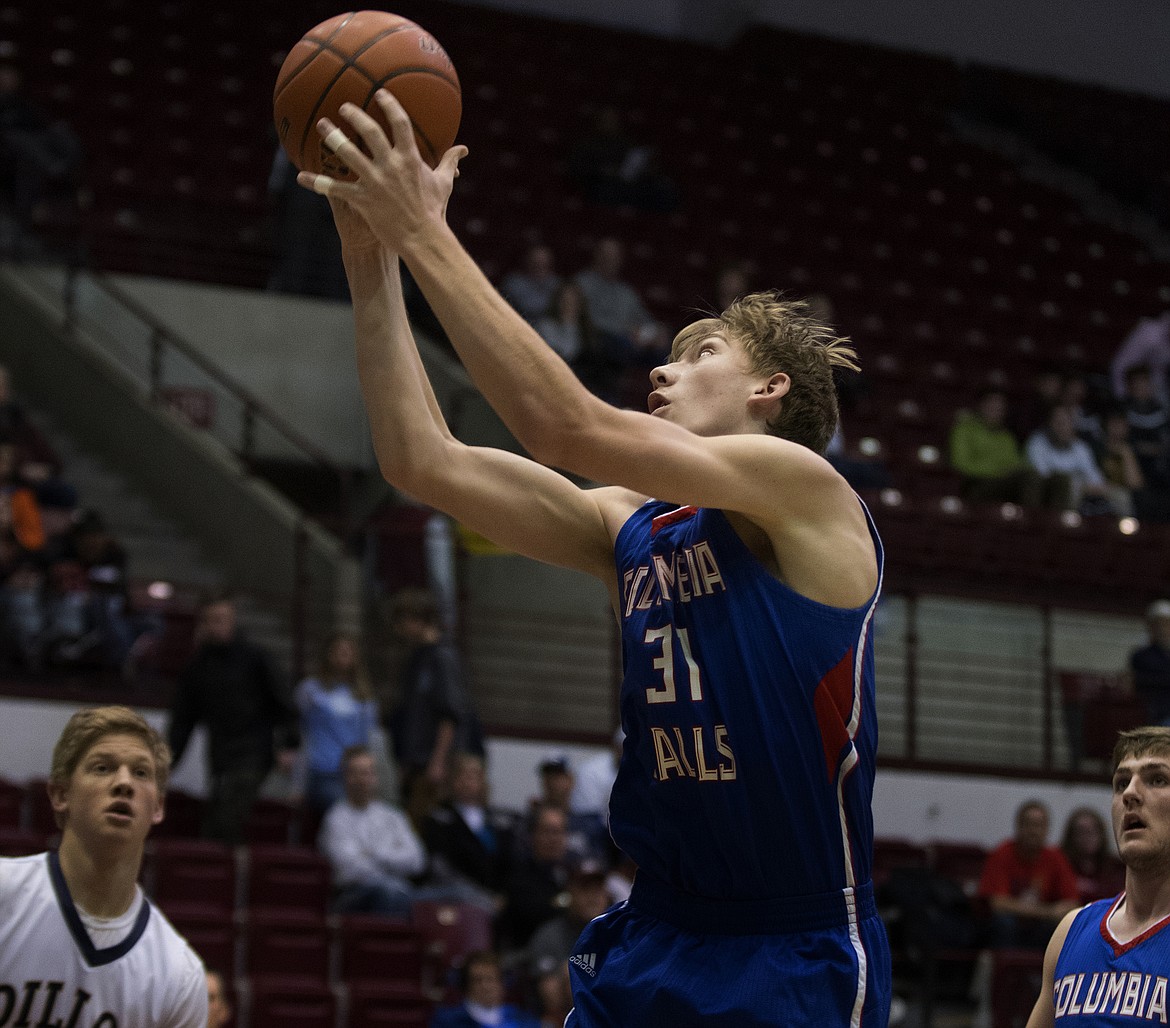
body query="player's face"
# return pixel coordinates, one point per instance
(707, 388)
(1141, 811)
(113, 793)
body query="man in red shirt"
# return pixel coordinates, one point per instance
(1029, 885)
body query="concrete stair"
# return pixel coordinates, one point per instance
(158, 549)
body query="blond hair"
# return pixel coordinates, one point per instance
(1137, 742)
(782, 334)
(86, 727)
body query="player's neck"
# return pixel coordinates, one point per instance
(102, 882)
(1147, 898)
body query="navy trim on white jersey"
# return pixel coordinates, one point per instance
(93, 956)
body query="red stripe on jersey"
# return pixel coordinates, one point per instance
(833, 702)
(672, 517)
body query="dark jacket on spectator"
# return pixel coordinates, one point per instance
(234, 690)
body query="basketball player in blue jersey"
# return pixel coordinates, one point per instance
(744, 572)
(80, 945)
(1108, 963)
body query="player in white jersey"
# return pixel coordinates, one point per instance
(80, 945)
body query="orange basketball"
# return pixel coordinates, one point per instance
(349, 58)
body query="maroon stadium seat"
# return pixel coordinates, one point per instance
(287, 878)
(280, 944)
(374, 949)
(196, 873)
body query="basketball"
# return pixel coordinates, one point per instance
(348, 59)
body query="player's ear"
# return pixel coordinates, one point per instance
(160, 811)
(766, 396)
(58, 797)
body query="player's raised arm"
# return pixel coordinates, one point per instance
(702, 445)
(509, 499)
(533, 390)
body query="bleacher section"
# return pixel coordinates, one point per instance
(830, 166)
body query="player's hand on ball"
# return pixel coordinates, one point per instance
(396, 192)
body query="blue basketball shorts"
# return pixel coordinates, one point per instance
(634, 970)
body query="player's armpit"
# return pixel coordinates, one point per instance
(1044, 1012)
(521, 506)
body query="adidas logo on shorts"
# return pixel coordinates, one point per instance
(587, 962)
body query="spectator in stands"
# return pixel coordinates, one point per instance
(555, 996)
(483, 1006)
(588, 836)
(373, 849)
(1030, 411)
(1029, 885)
(434, 717)
(1147, 345)
(628, 337)
(20, 513)
(1086, 844)
(1149, 426)
(985, 452)
(219, 1010)
(469, 841)
(532, 288)
(58, 503)
(1150, 665)
(114, 626)
(568, 329)
(230, 686)
(552, 943)
(23, 618)
(1086, 420)
(38, 156)
(610, 167)
(1119, 464)
(1057, 451)
(337, 711)
(537, 883)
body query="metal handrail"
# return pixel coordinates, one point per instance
(253, 407)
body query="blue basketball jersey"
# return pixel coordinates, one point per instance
(1099, 981)
(751, 735)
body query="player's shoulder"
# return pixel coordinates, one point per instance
(178, 952)
(17, 874)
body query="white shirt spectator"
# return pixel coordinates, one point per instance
(365, 844)
(1074, 460)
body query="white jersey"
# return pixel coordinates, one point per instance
(52, 974)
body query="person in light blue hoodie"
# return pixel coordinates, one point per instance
(337, 711)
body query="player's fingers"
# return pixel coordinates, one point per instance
(326, 186)
(371, 133)
(451, 159)
(401, 127)
(336, 140)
